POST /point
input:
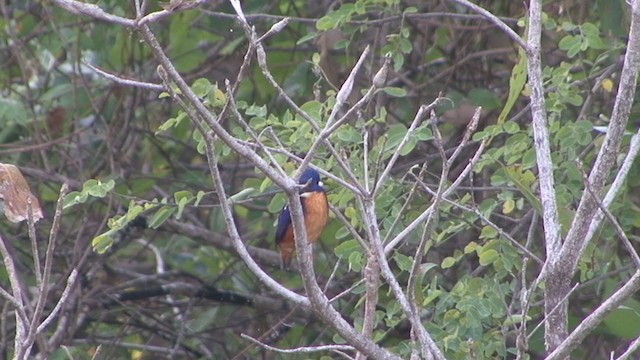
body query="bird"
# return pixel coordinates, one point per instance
(315, 208)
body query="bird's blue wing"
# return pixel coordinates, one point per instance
(284, 220)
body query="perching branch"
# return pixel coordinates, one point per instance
(588, 325)
(576, 238)
(497, 22)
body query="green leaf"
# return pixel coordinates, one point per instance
(97, 188)
(255, 110)
(395, 135)
(485, 98)
(508, 206)
(182, 199)
(345, 248)
(471, 247)
(395, 91)
(405, 263)
(433, 295)
(327, 22)
(624, 322)
(201, 87)
(511, 127)
(242, 195)
(488, 233)
(448, 262)
(356, 261)
(161, 216)
(342, 233)
(348, 134)
(409, 146)
(314, 109)
(277, 203)
(529, 159)
(310, 36)
(569, 42)
(74, 198)
(92, 187)
(488, 257)
(423, 133)
(516, 85)
(265, 184)
(199, 197)
(336, 17)
(521, 180)
(515, 319)
(102, 243)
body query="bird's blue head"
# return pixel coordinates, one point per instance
(311, 179)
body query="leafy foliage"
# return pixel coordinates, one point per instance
(64, 123)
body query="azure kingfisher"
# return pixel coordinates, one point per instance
(315, 208)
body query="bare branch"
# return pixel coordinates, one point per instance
(614, 189)
(299, 350)
(633, 347)
(412, 226)
(558, 306)
(417, 121)
(63, 299)
(428, 347)
(541, 132)
(159, 15)
(555, 307)
(596, 317)
(320, 303)
(43, 287)
(209, 117)
(612, 220)
(372, 284)
(497, 22)
(576, 238)
(341, 98)
(262, 63)
(118, 79)
(22, 322)
(94, 11)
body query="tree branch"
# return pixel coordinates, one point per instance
(596, 317)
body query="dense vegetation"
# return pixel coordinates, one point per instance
(468, 151)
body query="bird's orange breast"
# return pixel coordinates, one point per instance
(316, 215)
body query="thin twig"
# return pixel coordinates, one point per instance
(298, 350)
(417, 120)
(587, 325)
(22, 321)
(428, 346)
(71, 280)
(612, 220)
(633, 347)
(262, 63)
(554, 309)
(94, 11)
(119, 79)
(497, 22)
(576, 239)
(409, 228)
(490, 223)
(431, 220)
(341, 98)
(615, 188)
(43, 288)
